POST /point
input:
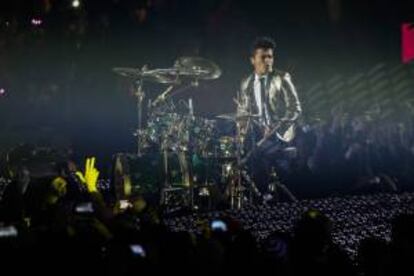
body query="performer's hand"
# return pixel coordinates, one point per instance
(285, 119)
(267, 131)
(90, 177)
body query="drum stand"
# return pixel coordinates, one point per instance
(237, 185)
(276, 185)
(140, 95)
(176, 196)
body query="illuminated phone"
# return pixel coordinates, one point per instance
(8, 231)
(218, 225)
(124, 204)
(137, 250)
(84, 208)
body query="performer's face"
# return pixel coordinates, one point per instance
(262, 61)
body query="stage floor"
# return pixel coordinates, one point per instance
(354, 217)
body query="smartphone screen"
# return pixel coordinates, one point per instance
(8, 231)
(124, 204)
(219, 225)
(137, 250)
(84, 208)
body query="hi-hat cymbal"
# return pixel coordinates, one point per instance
(198, 67)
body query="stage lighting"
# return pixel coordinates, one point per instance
(76, 4)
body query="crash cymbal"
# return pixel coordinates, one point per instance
(165, 76)
(198, 67)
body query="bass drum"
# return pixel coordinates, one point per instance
(144, 175)
(133, 175)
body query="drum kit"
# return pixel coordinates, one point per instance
(202, 158)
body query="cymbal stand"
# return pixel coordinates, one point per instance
(140, 95)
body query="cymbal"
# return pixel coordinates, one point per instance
(237, 117)
(198, 67)
(127, 72)
(165, 76)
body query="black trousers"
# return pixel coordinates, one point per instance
(269, 155)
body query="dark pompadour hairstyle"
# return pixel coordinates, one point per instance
(263, 42)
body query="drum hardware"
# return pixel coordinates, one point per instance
(169, 133)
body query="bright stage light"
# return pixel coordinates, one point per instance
(76, 4)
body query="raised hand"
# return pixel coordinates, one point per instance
(90, 176)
